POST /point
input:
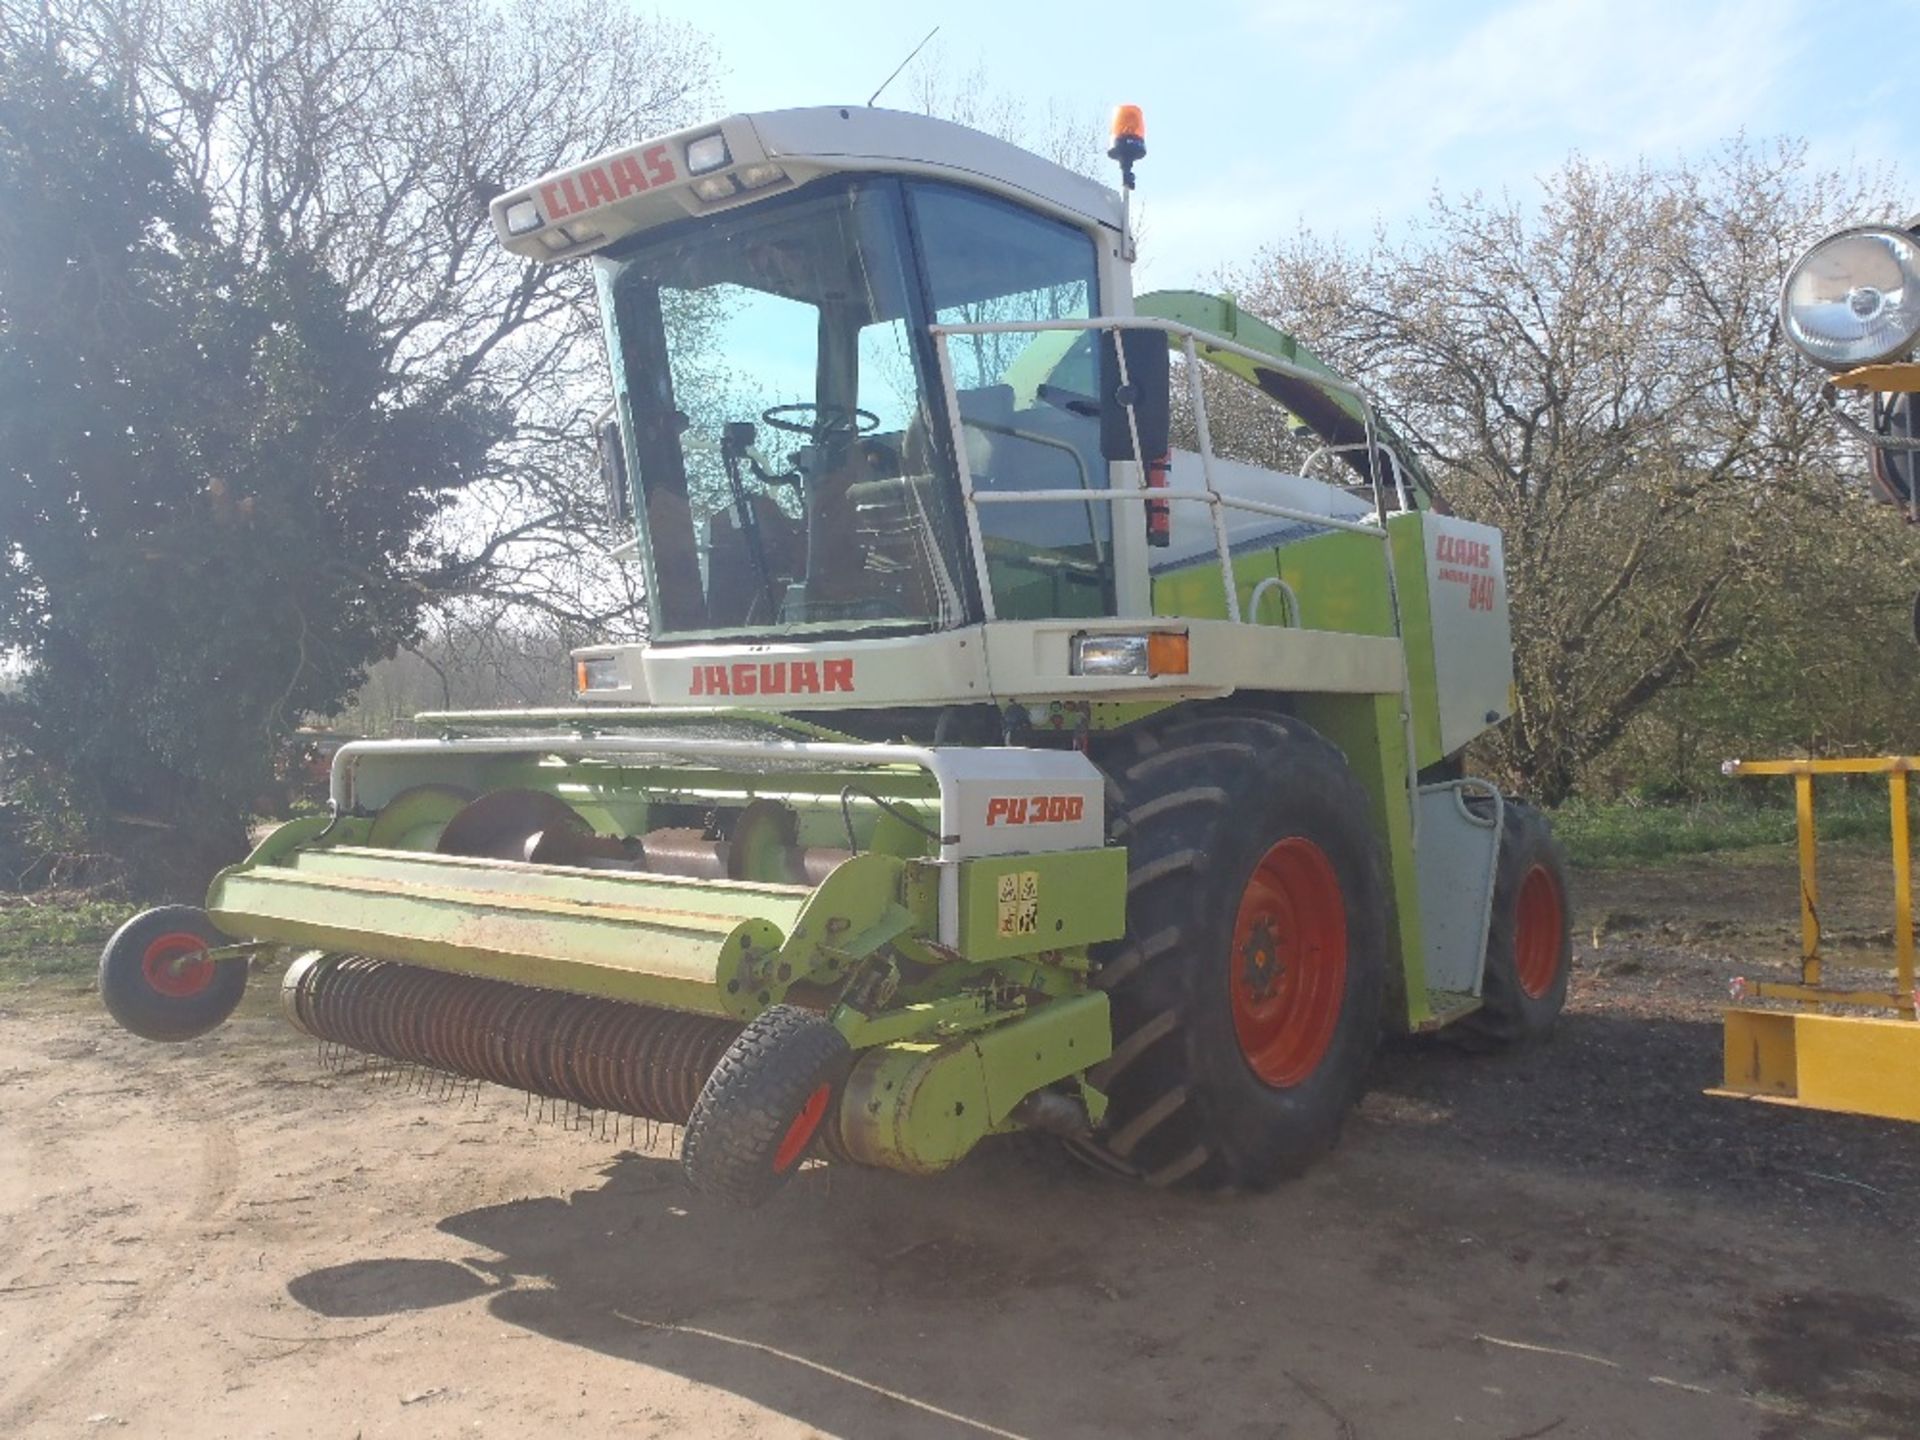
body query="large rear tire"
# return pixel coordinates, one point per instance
(1529, 939)
(1247, 994)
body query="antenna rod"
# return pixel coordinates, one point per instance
(901, 66)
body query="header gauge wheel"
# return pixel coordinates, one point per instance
(156, 978)
(765, 1104)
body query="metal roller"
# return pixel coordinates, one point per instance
(600, 1054)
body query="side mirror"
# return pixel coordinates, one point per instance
(613, 467)
(1148, 389)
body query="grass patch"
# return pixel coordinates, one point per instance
(54, 937)
(1624, 832)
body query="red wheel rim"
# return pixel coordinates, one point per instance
(1539, 922)
(800, 1133)
(1289, 962)
(167, 968)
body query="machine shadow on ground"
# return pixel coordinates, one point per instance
(1535, 1193)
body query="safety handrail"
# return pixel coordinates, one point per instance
(1811, 989)
(1209, 494)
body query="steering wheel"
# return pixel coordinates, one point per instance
(827, 420)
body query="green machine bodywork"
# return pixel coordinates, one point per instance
(950, 1040)
(920, 888)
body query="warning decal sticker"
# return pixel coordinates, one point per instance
(1019, 897)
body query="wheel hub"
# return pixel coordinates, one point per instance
(1262, 969)
(1288, 963)
(176, 965)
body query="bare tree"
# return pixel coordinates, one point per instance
(372, 134)
(1600, 374)
(472, 656)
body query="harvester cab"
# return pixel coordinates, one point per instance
(1001, 757)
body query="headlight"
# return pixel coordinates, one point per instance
(1160, 652)
(752, 177)
(709, 152)
(715, 187)
(523, 217)
(595, 672)
(1854, 299)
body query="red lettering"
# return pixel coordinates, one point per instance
(772, 677)
(1036, 809)
(551, 198)
(599, 189)
(570, 187)
(1475, 553)
(628, 178)
(659, 166)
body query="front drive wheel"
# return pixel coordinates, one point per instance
(157, 981)
(1247, 994)
(764, 1105)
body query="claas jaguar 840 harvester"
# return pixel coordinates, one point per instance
(994, 763)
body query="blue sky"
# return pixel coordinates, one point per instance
(1268, 113)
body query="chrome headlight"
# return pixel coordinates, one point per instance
(1854, 299)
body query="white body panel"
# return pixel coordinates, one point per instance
(1192, 531)
(1472, 635)
(947, 665)
(1002, 661)
(1013, 801)
(1455, 862)
(589, 205)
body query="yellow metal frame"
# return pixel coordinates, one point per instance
(1810, 991)
(1863, 1065)
(1892, 379)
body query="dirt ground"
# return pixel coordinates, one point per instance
(224, 1239)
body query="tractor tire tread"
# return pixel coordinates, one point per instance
(1144, 1038)
(1193, 796)
(1165, 867)
(752, 1098)
(1124, 1142)
(1132, 954)
(1182, 1107)
(1184, 757)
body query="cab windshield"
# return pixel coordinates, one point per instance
(793, 469)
